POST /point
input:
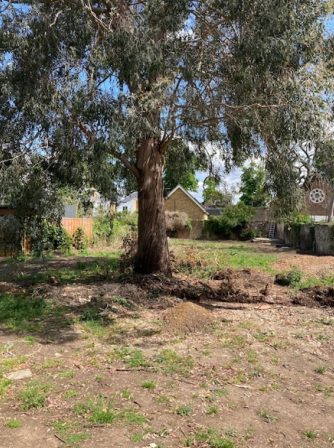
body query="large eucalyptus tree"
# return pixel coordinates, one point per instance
(86, 84)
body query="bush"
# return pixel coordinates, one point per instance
(10, 235)
(103, 228)
(177, 222)
(123, 224)
(234, 223)
(51, 237)
(291, 278)
(79, 239)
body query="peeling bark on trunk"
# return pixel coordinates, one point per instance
(152, 254)
(331, 207)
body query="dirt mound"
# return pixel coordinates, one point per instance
(315, 297)
(186, 317)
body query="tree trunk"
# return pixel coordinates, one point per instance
(152, 253)
(331, 207)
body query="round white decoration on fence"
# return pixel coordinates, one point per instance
(317, 196)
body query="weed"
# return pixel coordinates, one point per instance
(252, 357)
(10, 363)
(263, 336)
(311, 435)
(133, 357)
(13, 424)
(221, 392)
(291, 278)
(163, 399)
(70, 393)
(149, 384)
(212, 410)
(172, 362)
(137, 437)
(325, 321)
(122, 301)
(267, 417)
(236, 341)
(275, 360)
(249, 434)
(126, 394)
(69, 373)
(184, 411)
(232, 432)
(68, 432)
(49, 364)
(326, 390)
(4, 385)
(211, 439)
(320, 370)
(323, 337)
(132, 417)
(136, 359)
(33, 396)
(257, 372)
(30, 340)
(101, 411)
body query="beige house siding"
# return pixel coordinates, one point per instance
(180, 202)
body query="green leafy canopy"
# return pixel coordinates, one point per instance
(85, 83)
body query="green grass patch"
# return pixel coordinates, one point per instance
(13, 424)
(209, 438)
(69, 432)
(311, 435)
(213, 256)
(132, 357)
(101, 411)
(4, 385)
(267, 417)
(8, 364)
(84, 272)
(33, 396)
(70, 393)
(184, 411)
(149, 384)
(28, 314)
(172, 362)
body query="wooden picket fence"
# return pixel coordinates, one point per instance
(72, 224)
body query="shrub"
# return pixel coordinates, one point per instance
(103, 228)
(79, 239)
(52, 237)
(291, 278)
(177, 222)
(124, 224)
(10, 235)
(234, 223)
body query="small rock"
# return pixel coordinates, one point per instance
(19, 375)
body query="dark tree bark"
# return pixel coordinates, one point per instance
(152, 253)
(331, 207)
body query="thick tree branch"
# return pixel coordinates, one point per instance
(121, 157)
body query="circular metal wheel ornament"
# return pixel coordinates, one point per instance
(317, 196)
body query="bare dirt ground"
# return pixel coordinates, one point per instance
(122, 364)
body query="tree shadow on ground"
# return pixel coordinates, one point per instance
(59, 271)
(25, 315)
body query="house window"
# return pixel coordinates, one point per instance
(125, 208)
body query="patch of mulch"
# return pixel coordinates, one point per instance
(315, 297)
(186, 317)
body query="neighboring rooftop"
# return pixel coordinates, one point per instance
(129, 198)
(214, 211)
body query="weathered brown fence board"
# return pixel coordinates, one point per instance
(72, 224)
